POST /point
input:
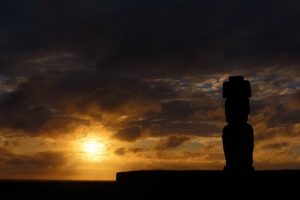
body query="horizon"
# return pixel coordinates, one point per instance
(139, 173)
(91, 89)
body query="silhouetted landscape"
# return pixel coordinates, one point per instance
(159, 184)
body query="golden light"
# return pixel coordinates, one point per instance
(93, 149)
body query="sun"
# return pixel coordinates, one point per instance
(93, 149)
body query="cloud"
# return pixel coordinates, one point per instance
(132, 150)
(171, 142)
(188, 116)
(4, 155)
(167, 37)
(293, 103)
(137, 149)
(120, 151)
(275, 146)
(98, 61)
(40, 160)
(129, 134)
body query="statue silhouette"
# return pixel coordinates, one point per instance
(238, 139)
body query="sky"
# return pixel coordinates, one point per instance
(90, 88)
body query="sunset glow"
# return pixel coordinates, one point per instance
(93, 149)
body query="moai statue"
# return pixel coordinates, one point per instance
(238, 139)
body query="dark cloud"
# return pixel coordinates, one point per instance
(103, 60)
(137, 150)
(288, 164)
(56, 101)
(4, 155)
(178, 35)
(120, 151)
(171, 142)
(276, 146)
(183, 117)
(278, 113)
(294, 102)
(41, 160)
(23, 110)
(130, 133)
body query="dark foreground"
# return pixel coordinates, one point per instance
(162, 185)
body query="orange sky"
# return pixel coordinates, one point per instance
(96, 152)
